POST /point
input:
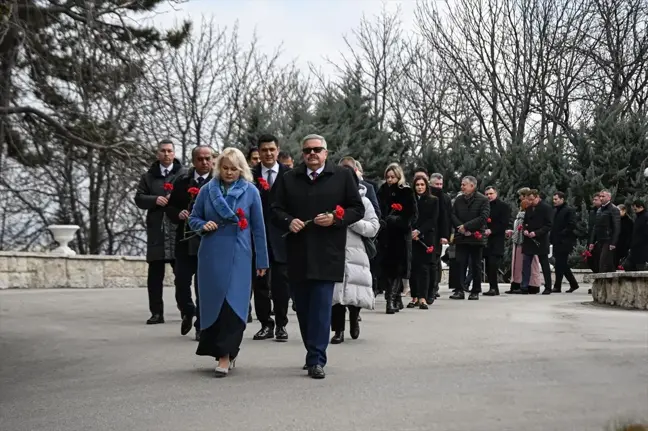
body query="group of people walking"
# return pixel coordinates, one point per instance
(320, 234)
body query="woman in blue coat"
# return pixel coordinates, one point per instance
(229, 217)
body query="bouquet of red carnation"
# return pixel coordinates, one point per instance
(338, 213)
(263, 184)
(586, 255)
(620, 268)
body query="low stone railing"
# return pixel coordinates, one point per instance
(20, 270)
(621, 289)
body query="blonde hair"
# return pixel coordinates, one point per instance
(236, 157)
(398, 171)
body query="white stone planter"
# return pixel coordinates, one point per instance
(63, 234)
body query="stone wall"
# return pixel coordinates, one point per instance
(621, 289)
(41, 270)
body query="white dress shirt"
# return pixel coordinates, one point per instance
(274, 169)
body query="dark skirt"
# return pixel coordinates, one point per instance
(224, 337)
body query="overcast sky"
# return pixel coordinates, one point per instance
(308, 29)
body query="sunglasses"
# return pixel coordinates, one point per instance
(315, 150)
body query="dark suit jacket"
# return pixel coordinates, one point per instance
(276, 243)
(181, 200)
(500, 220)
(316, 253)
(538, 219)
(639, 245)
(371, 195)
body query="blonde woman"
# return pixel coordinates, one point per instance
(228, 215)
(398, 213)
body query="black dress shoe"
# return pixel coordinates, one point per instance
(546, 292)
(491, 292)
(155, 319)
(556, 290)
(521, 292)
(281, 334)
(306, 368)
(423, 306)
(338, 338)
(412, 304)
(573, 289)
(185, 325)
(265, 333)
(458, 295)
(317, 372)
(473, 296)
(589, 291)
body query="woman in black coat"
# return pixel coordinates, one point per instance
(423, 240)
(398, 212)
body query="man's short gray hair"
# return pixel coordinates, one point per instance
(472, 180)
(436, 176)
(314, 136)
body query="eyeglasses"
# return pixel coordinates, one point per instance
(310, 150)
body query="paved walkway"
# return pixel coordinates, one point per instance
(84, 360)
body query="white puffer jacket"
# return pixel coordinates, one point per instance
(356, 289)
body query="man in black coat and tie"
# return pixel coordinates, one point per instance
(607, 228)
(563, 239)
(497, 224)
(538, 219)
(306, 203)
(267, 176)
(186, 250)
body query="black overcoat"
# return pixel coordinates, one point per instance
(395, 237)
(563, 236)
(498, 222)
(472, 212)
(538, 219)
(426, 223)
(316, 253)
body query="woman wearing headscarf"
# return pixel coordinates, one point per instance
(228, 215)
(356, 291)
(398, 211)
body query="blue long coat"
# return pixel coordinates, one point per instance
(225, 255)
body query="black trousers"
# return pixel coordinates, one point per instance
(272, 288)
(338, 316)
(606, 257)
(186, 267)
(155, 284)
(562, 270)
(435, 277)
(492, 270)
(468, 254)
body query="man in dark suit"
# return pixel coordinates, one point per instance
(444, 228)
(497, 224)
(152, 195)
(305, 201)
(607, 227)
(186, 250)
(563, 240)
(538, 219)
(470, 213)
(593, 260)
(267, 175)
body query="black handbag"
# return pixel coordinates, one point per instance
(370, 247)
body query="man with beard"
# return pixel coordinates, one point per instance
(607, 227)
(444, 227)
(185, 189)
(153, 192)
(563, 239)
(498, 223)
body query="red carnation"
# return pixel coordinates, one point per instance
(193, 191)
(519, 228)
(488, 220)
(477, 235)
(243, 224)
(620, 268)
(240, 213)
(397, 207)
(168, 187)
(429, 250)
(264, 184)
(339, 212)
